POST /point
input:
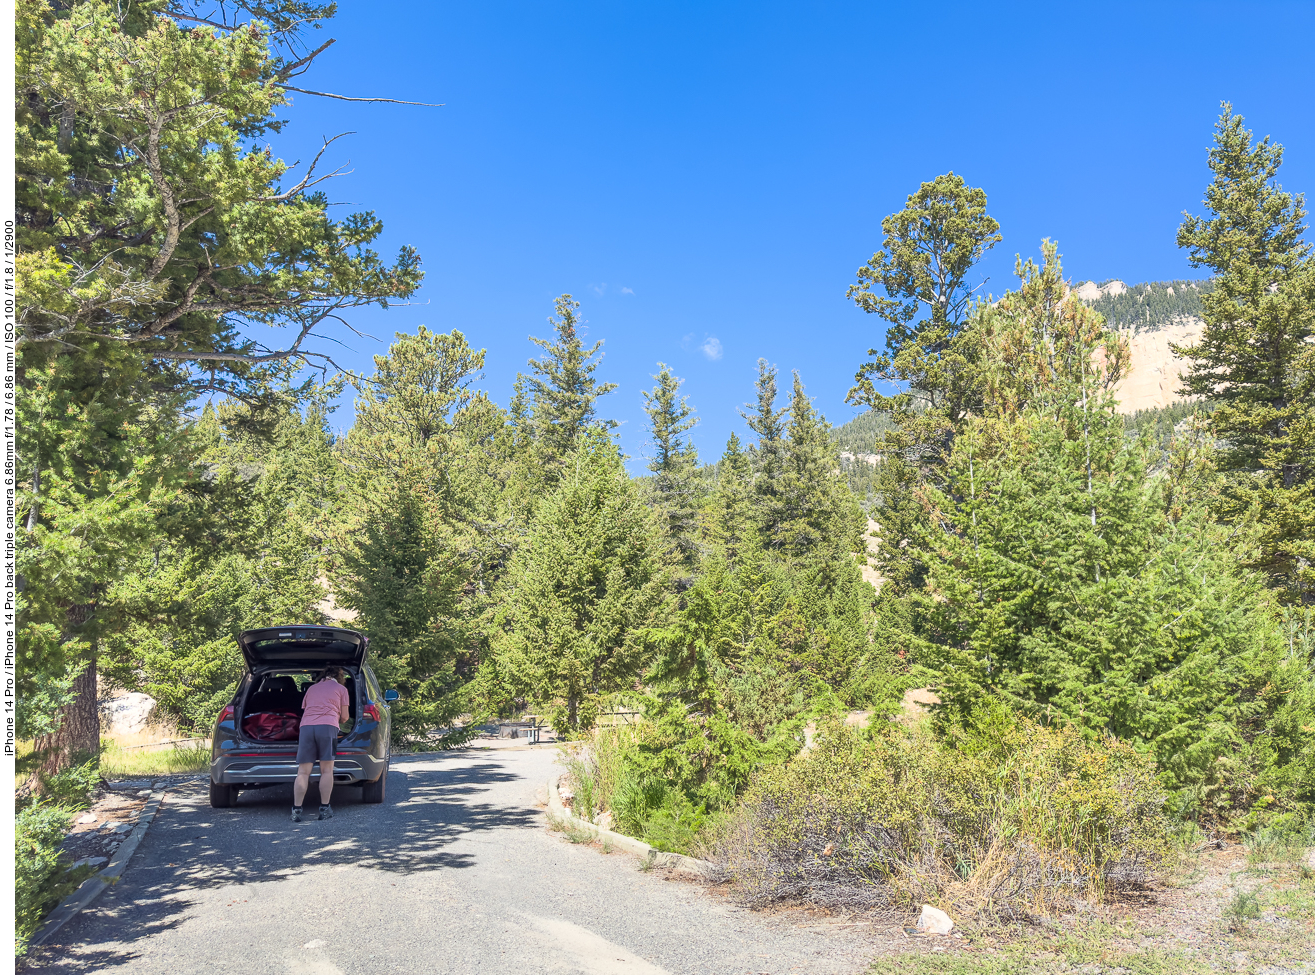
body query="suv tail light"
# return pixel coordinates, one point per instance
(227, 714)
(371, 711)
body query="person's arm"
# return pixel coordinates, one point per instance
(346, 711)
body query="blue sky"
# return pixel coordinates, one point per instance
(705, 178)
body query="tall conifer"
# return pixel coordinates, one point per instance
(562, 390)
(1256, 353)
(674, 464)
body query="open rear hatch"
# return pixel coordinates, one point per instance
(312, 647)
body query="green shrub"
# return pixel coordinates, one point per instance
(1008, 821)
(1244, 907)
(71, 787)
(666, 779)
(42, 875)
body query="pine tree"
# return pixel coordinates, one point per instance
(151, 212)
(419, 533)
(562, 390)
(674, 464)
(1255, 353)
(243, 546)
(769, 455)
(920, 284)
(812, 488)
(1058, 582)
(102, 453)
(728, 519)
(589, 579)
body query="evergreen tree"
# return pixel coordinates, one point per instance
(813, 492)
(1255, 354)
(728, 520)
(562, 391)
(243, 546)
(1058, 583)
(931, 249)
(102, 454)
(769, 454)
(920, 284)
(674, 464)
(151, 213)
(589, 579)
(415, 548)
(155, 234)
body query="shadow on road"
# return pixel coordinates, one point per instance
(431, 802)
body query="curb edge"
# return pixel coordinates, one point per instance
(82, 898)
(676, 862)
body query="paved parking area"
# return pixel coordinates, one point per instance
(455, 873)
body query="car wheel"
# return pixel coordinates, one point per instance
(374, 791)
(222, 796)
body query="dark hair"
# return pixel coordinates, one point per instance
(334, 672)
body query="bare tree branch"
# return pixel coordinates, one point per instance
(349, 98)
(299, 66)
(306, 180)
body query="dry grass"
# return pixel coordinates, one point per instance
(158, 749)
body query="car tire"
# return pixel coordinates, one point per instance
(374, 791)
(222, 796)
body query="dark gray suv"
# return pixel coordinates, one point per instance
(255, 739)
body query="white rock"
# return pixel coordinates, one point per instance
(90, 861)
(1088, 291)
(604, 820)
(86, 818)
(126, 714)
(317, 943)
(934, 921)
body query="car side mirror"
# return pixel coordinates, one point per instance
(391, 696)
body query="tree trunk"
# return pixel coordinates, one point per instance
(573, 711)
(76, 737)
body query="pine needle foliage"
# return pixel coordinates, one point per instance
(674, 464)
(1256, 355)
(590, 576)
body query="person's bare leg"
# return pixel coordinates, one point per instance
(326, 781)
(302, 784)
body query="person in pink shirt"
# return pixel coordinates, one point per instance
(325, 707)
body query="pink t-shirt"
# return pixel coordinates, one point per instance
(324, 703)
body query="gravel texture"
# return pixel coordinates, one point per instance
(454, 873)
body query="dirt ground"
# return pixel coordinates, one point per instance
(98, 832)
(1227, 910)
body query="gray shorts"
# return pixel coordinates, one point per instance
(315, 743)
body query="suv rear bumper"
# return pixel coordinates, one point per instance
(252, 770)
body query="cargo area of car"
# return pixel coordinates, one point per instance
(270, 710)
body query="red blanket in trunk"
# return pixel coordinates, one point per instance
(272, 726)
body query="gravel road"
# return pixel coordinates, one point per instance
(455, 873)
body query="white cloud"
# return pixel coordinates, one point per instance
(711, 347)
(598, 289)
(686, 340)
(627, 291)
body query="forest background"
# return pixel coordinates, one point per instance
(1128, 603)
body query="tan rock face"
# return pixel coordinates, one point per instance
(1153, 377)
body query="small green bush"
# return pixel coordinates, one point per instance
(1007, 822)
(42, 874)
(1244, 907)
(72, 786)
